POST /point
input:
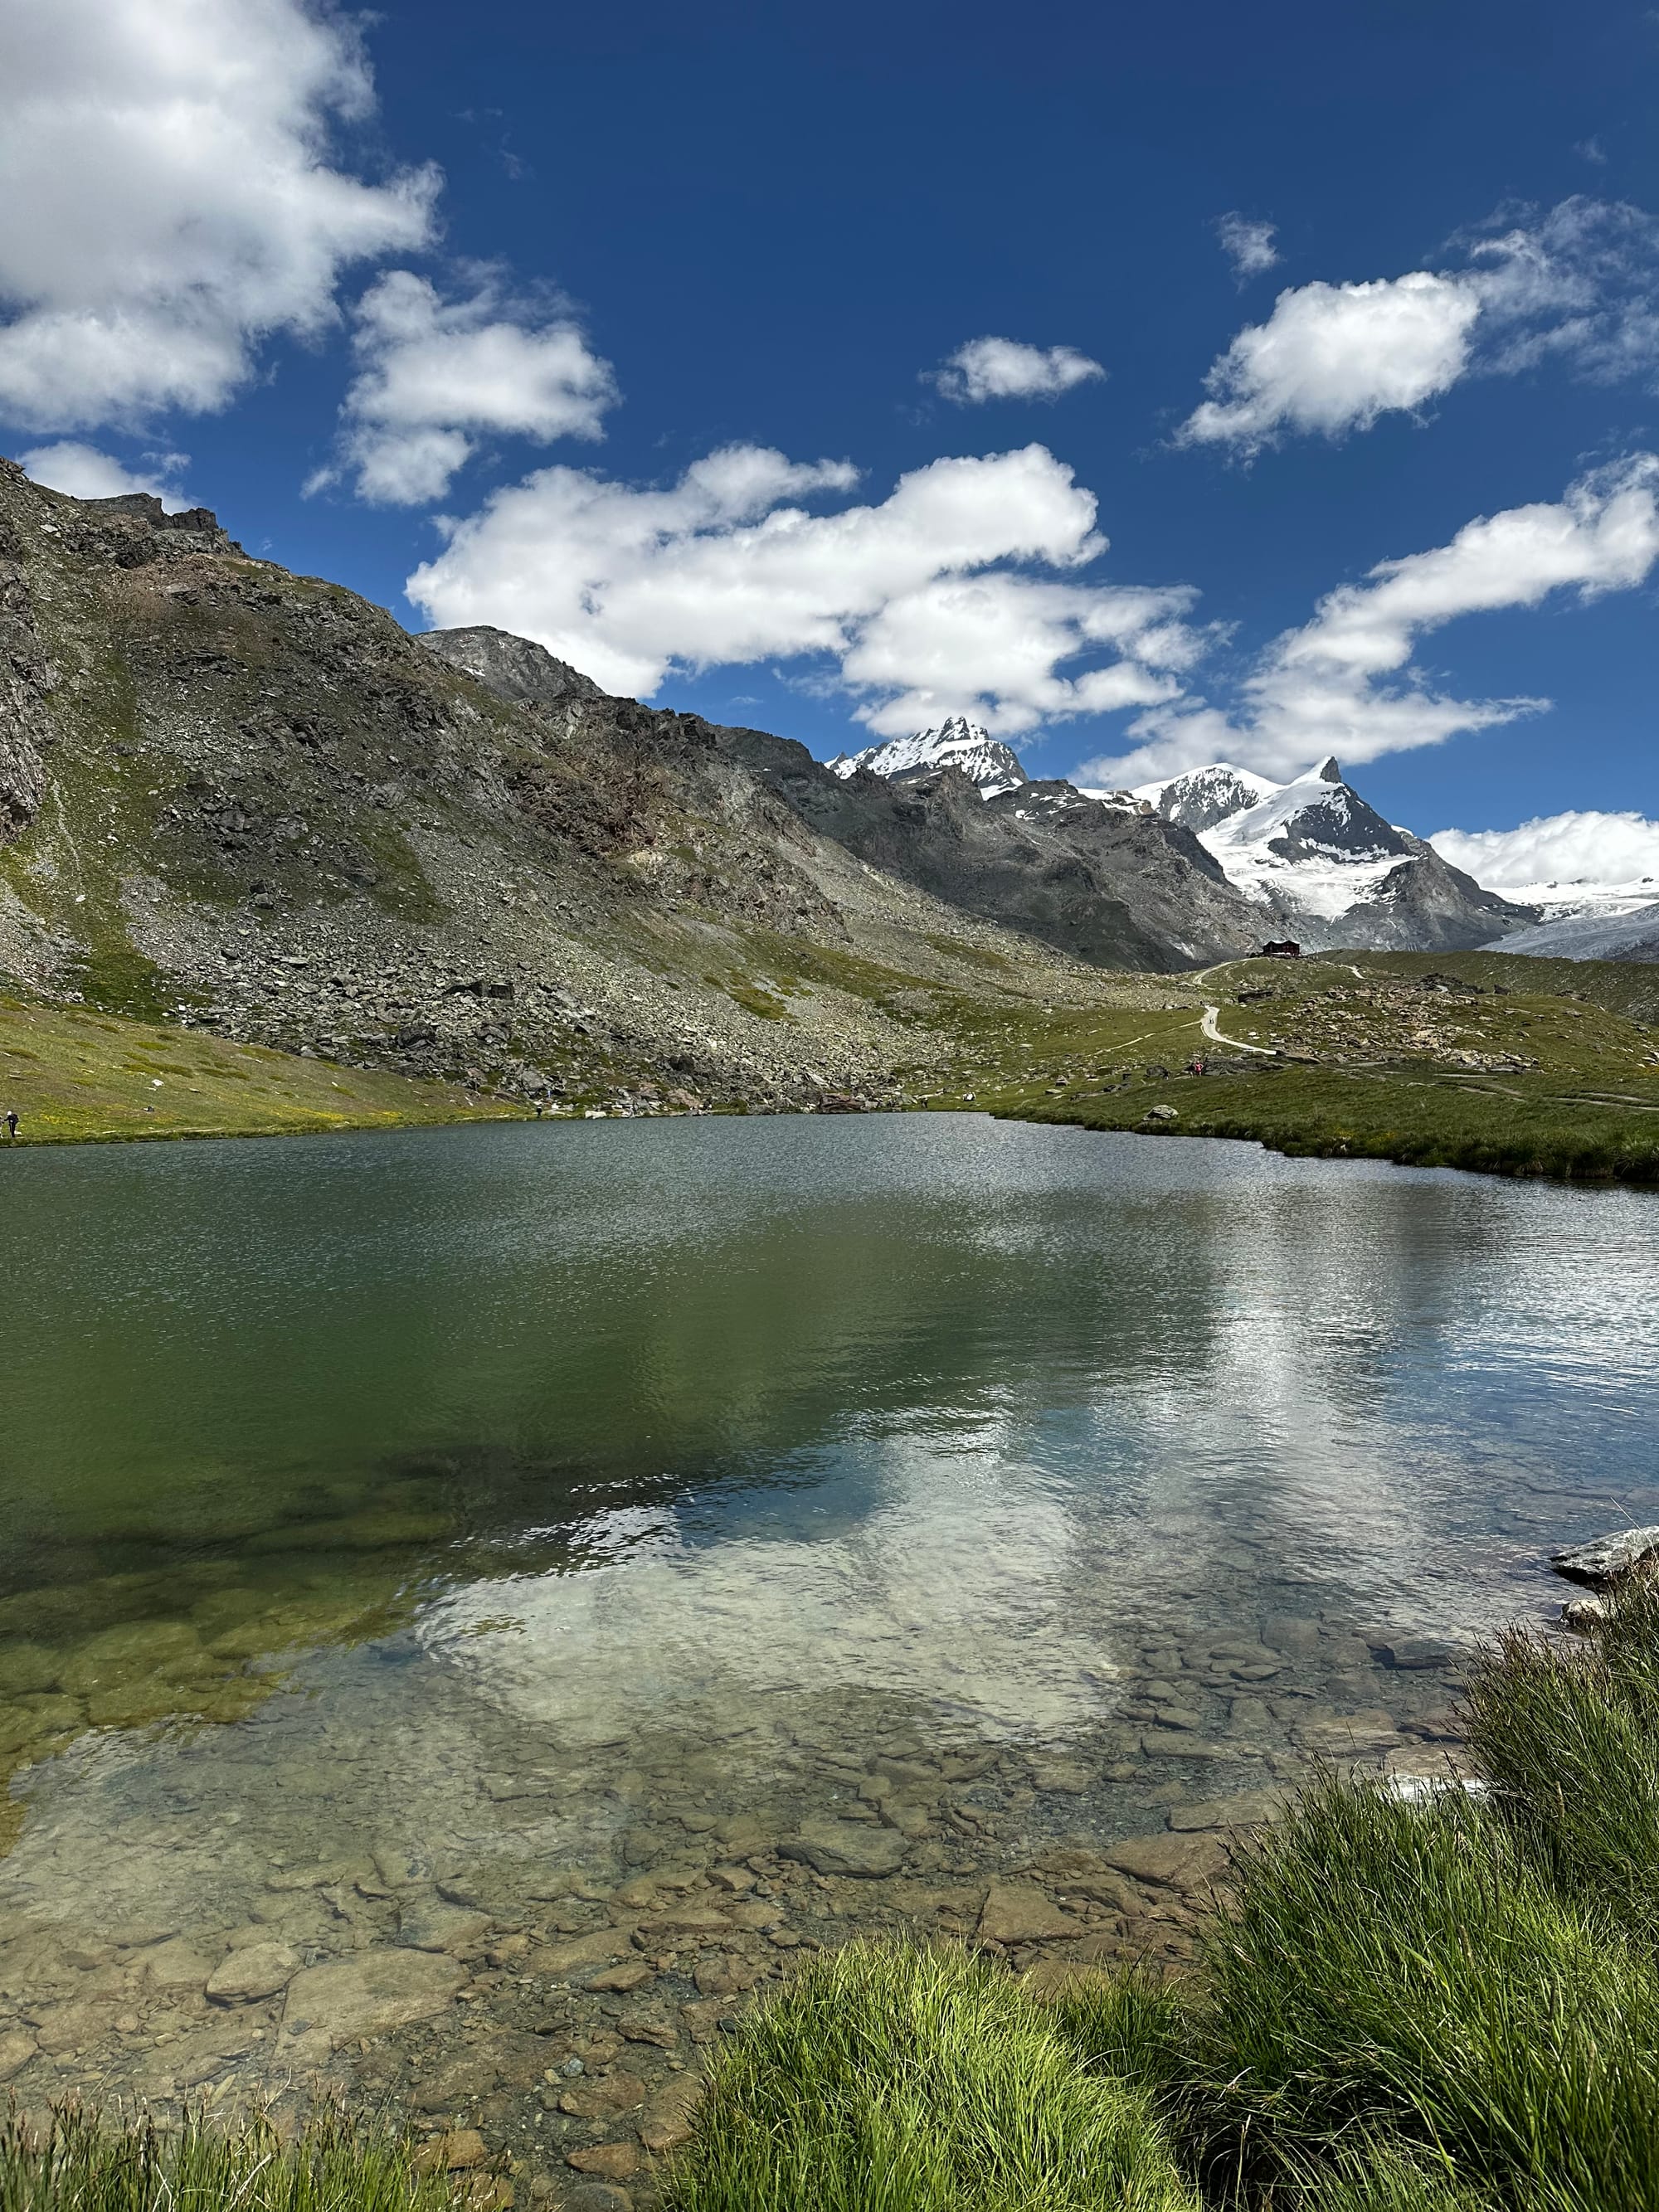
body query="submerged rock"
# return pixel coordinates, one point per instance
(1246, 1810)
(1172, 1862)
(1018, 1912)
(257, 1970)
(848, 1847)
(367, 1995)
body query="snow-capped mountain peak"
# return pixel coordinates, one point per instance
(956, 743)
(1204, 796)
(1311, 851)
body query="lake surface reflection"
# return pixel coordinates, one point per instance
(466, 1594)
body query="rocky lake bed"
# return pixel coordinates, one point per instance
(533, 1980)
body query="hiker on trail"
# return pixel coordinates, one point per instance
(11, 1123)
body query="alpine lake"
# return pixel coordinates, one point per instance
(477, 1604)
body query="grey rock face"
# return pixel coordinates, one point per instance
(1425, 905)
(26, 680)
(514, 668)
(1607, 1559)
(1115, 889)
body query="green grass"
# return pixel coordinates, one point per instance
(1356, 1058)
(1445, 2006)
(895, 2078)
(1408, 1969)
(74, 1075)
(1512, 1125)
(1570, 1735)
(77, 2164)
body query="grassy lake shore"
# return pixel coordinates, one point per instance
(1497, 1063)
(76, 1075)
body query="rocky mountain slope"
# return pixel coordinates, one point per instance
(250, 802)
(1326, 868)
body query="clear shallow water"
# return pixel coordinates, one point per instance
(507, 1511)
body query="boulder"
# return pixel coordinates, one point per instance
(458, 2152)
(604, 2097)
(665, 2123)
(612, 2162)
(1607, 1559)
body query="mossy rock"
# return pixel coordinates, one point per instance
(129, 1653)
(27, 1666)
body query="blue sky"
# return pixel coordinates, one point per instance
(637, 331)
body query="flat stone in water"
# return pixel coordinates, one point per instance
(429, 1924)
(255, 1970)
(1351, 1736)
(848, 1847)
(1412, 1652)
(1171, 1862)
(1018, 1912)
(17, 2047)
(367, 1995)
(1246, 1810)
(558, 1960)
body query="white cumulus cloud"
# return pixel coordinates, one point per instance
(1332, 357)
(1002, 368)
(85, 472)
(437, 374)
(1346, 683)
(954, 594)
(1580, 847)
(1248, 245)
(173, 160)
(1579, 283)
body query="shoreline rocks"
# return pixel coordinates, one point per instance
(1608, 1560)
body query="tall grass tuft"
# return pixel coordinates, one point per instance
(1377, 2177)
(78, 2163)
(890, 2078)
(1569, 1735)
(1409, 1971)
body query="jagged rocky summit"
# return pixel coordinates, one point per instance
(992, 767)
(1329, 866)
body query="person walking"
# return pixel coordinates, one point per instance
(11, 1123)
